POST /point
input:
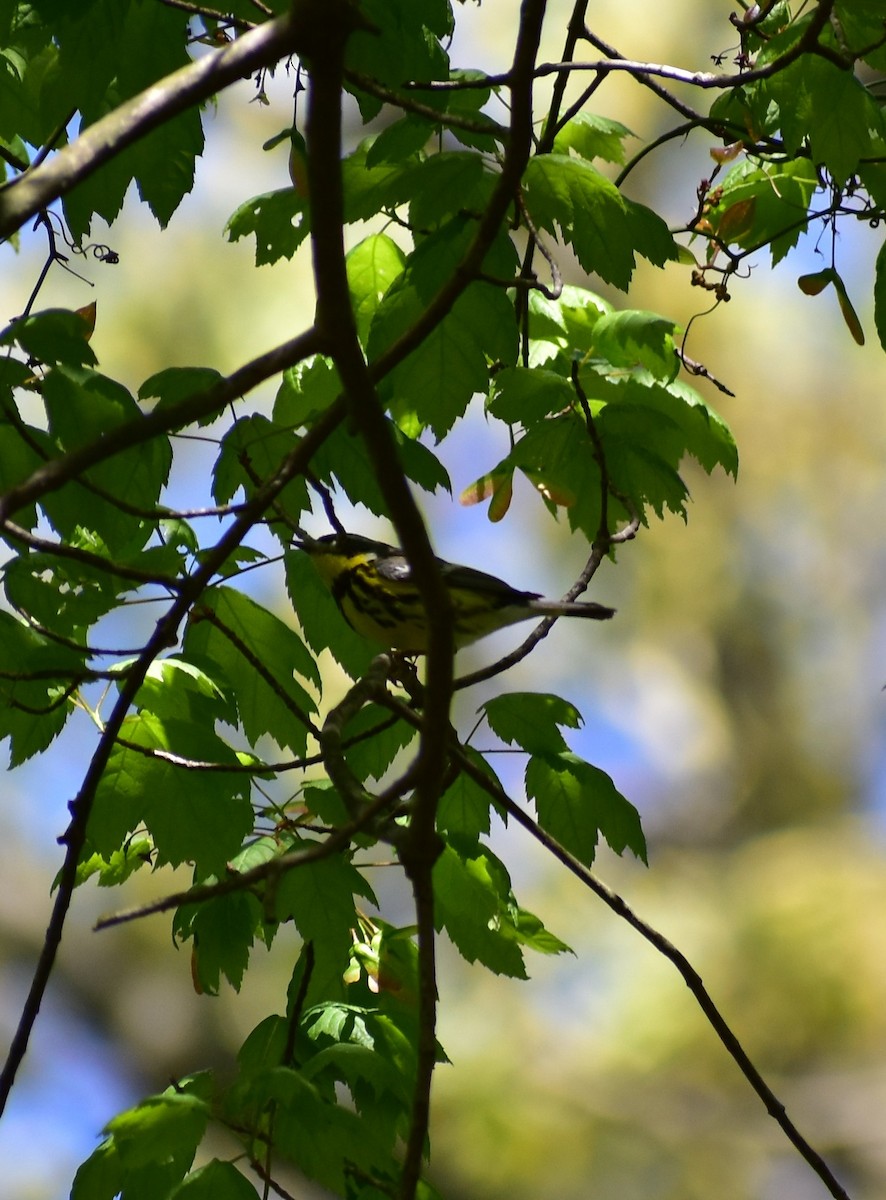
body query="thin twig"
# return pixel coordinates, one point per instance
(439, 117)
(697, 368)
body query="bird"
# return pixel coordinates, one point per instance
(373, 585)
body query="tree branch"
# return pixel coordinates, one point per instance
(86, 557)
(688, 973)
(26, 195)
(59, 471)
(321, 38)
(272, 869)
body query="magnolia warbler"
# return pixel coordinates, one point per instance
(373, 587)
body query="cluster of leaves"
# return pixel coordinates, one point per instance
(814, 138)
(201, 732)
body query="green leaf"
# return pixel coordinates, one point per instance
(175, 688)
(279, 221)
(18, 460)
(323, 802)
(252, 451)
(828, 107)
(62, 595)
(576, 802)
(357, 1066)
(420, 464)
(557, 456)
(149, 1148)
(175, 384)
(328, 1142)
(319, 897)
(334, 1025)
(13, 374)
(226, 624)
(641, 446)
(592, 136)
(177, 534)
(463, 811)
(342, 457)
(650, 235)
(165, 162)
(531, 720)
(371, 757)
(100, 194)
(433, 386)
(216, 1180)
(472, 891)
(861, 23)
(403, 44)
(192, 815)
(162, 1129)
(118, 866)
(223, 930)
(674, 420)
(306, 391)
(880, 296)
(569, 196)
(57, 335)
(400, 141)
(370, 187)
(372, 266)
(101, 1176)
(530, 932)
(631, 336)
(264, 1047)
(449, 183)
(523, 395)
(34, 704)
(559, 329)
(762, 205)
(118, 52)
(304, 394)
(83, 407)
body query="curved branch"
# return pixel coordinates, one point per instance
(690, 976)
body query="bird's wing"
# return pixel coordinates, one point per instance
(394, 567)
(479, 581)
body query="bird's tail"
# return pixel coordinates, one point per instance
(574, 608)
